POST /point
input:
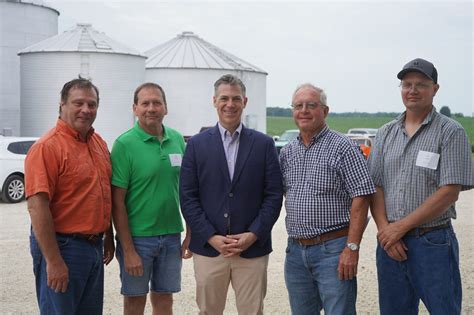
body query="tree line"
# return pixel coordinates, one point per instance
(287, 112)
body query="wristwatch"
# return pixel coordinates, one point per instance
(353, 246)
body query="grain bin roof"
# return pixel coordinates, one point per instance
(82, 38)
(187, 50)
(38, 3)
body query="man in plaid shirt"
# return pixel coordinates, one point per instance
(327, 188)
(420, 162)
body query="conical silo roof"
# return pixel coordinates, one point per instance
(82, 38)
(187, 50)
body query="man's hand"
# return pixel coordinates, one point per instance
(347, 268)
(133, 263)
(244, 241)
(185, 252)
(109, 248)
(390, 234)
(221, 244)
(398, 251)
(57, 275)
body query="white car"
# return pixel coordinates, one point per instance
(370, 132)
(12, 158)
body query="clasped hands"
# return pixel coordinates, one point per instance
(232, 245)
(390, 239)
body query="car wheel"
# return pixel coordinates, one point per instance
(14, 189)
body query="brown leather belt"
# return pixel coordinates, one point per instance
(86, 237)
(423, 230)
(323, 237)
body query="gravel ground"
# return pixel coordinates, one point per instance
(17, 292)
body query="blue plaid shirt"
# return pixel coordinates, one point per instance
(320, 182)
(406, 185)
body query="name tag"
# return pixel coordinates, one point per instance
(175, 159)
(427, 159)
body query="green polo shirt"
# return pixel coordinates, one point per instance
(149, 171)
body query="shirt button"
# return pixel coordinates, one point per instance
(226, 215)
(231, 194)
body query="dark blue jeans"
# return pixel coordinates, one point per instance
(85, 290)
(431, 273)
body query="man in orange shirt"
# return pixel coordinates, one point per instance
(67, 175)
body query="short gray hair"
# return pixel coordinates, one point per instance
(229, 79)
(322, 95)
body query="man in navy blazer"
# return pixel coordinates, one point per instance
(231, 194)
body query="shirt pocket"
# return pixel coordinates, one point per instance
(322, 178)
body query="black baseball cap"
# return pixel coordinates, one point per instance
(420, 65)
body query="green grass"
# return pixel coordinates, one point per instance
(276, 125)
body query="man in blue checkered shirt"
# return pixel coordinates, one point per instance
(420, 162)
(327, 190)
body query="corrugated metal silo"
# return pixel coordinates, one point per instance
(23, 23)
(187, 67)
(114, 68)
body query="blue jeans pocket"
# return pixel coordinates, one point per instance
(436, 238)
(335, 246)
(62, 241)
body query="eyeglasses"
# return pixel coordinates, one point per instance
(308, 106)
(407, 86)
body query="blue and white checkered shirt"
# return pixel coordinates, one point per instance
(320, 182)
(406, 185)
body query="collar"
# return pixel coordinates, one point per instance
(63, 126)
(225, 133)
(144, 136)
(401, 118)
(317, 136)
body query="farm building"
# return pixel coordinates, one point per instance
(23, 23)
(113, 67)
(187, 67)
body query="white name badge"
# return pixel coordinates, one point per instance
(427, 159)
(175, 159)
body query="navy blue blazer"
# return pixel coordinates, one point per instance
(213, 204)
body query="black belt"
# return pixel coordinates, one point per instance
(86, 237)
(423, 230)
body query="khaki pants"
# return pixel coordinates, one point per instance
(248, 278)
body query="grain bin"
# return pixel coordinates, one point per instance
(113, 67)
(23, 23)
(187, 67)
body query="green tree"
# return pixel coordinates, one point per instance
(445, 111)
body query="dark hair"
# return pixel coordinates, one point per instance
(79, 83)
(148, 85)
(231, 80)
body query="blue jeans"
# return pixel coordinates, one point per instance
(312, 280)
(85, 290)
(161, 259)
(431, 273)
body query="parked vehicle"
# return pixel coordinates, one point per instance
(12, 157)
(371, 132)
(285, 137)
(363, 141)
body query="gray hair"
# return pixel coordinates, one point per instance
(322, 95)
(229, 79)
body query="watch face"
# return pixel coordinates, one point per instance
(353, 246)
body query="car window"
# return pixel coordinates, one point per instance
(20, 147)
(288, 136)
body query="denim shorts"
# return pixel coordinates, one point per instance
(161, 259)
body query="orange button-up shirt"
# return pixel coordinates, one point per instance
(75, 174)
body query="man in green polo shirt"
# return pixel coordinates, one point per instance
(146, 162)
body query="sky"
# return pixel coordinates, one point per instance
(351, 49)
